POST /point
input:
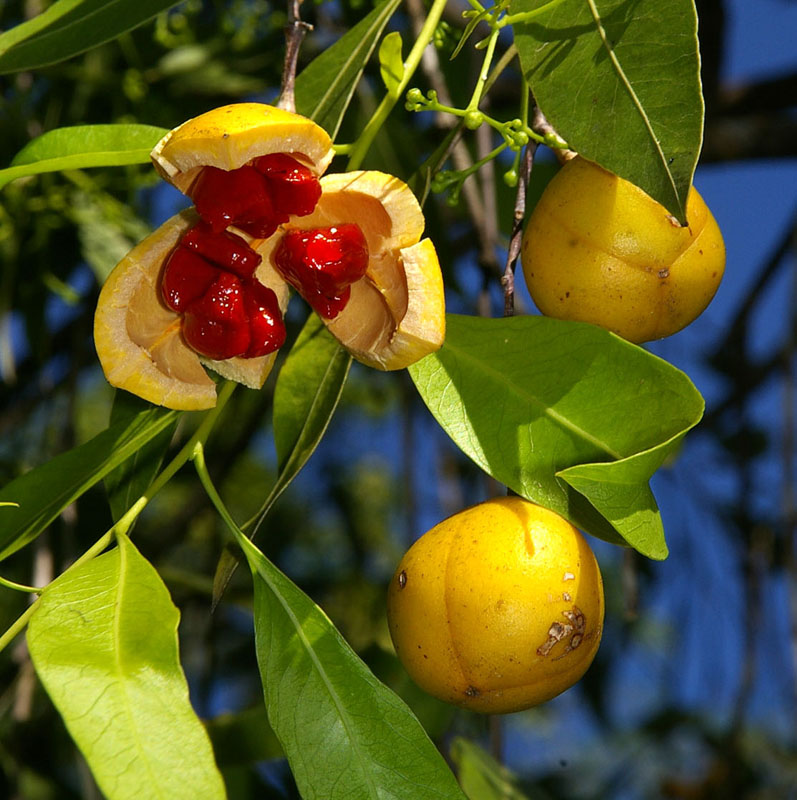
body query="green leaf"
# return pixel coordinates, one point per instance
(324, 88)
(345, 734)
(127, 482)
(103, 640)
(480, 775)
(308, 389)
(566, 414)
(620, 81)
(46, 490)
(82, 146)
(69, 27)
(391, 64)
(306, 395)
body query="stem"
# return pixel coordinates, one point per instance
(198, 457)
(366, 138)
(295, 32)
(125, 521)
(18, 587)
(485, 71)
(526, 16)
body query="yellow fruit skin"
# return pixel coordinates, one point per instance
(598, 249)
(497, 608)
(230, 136)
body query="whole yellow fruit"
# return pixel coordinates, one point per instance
(598, 249)
(497, 608)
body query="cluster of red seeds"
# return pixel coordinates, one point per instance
(209, 277)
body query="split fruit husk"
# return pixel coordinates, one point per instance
(396, 313)
(139, 339)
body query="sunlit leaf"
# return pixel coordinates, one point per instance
(620, 81)
(566, 414)
(82, 146)
(46, 490)
(69, 27)
(391, 64)
(324, 88)
(345, 734)
(103, 640)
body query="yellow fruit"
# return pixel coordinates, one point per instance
(396, 313)
(139, 341)
(230, 136)
(497, 608)
(598, 249)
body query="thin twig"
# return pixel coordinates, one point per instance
(539, 124)
(513, 253)
(295, 31)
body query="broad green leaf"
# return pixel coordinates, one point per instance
(127, 482)
(480, 775)
(103, 640)
(69, 27)
(46, 490)
(82, 146)
(306, 395)
(566, 414)
(391, 65)
(346, 735)
(324, 88)
(620, 81)
(308, 389)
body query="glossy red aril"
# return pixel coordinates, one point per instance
(322, 263)
(267, 330)
(216, 325)
(294, 187)
(258, 197)
(209, 278)
(225, 250)
(239, 197)
(186, 278)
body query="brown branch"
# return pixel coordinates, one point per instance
(515, 240)
(295, 31)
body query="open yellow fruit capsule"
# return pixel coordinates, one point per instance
(211, 285)
(497, 608)
(598, 249)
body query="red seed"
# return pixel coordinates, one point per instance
(322, 263)
(240, 197)
(294, 187)
(267, 330)
(225, 250)
(186, 278)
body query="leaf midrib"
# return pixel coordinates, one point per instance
(121, 674)
(322, 674)
(634, 97)
(549, 412)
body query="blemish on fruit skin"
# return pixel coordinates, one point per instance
(402, 579)
(566, 597)
(576, 625)
(568, 576)
(472, 691)
(664, 273)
